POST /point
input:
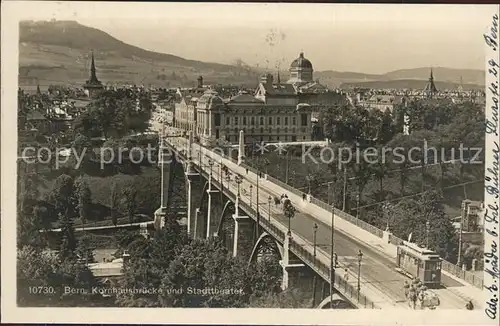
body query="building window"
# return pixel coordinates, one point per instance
(278, 130)
(286, 129)
(244, 120)
(270, 130)
(217, 119)
(236, 120)
(261, 121)
(286, 121)
(253, 121)
(278, 138)
(270, 120)
(236, 131)
(252, 131)
(261, 130)
(278, 120)
(228, 121)
(303, 119)
(294, 121)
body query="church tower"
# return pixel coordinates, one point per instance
(430, 89)
(93, 86)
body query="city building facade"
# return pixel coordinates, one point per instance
(273, 112)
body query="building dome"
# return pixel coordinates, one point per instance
(301, 62)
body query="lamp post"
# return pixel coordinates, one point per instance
(238, 181)
(269, 207)
(328, 192)
(345, 189)
(315, 230)
(257, 209)
(309, 185)
(357, 206)
(251, 190)
(210, 164)
(360, 257)
(332, 253)
(427, 229)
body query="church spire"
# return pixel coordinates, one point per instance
(430, 89)
(93, 78)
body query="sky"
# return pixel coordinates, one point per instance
(361, 38)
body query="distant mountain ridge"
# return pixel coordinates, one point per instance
(58, 52)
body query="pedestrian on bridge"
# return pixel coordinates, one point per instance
(346, 275)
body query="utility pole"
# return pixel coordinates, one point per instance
(345, 189)
(258, 215)
(315, 229)
(332, 253)
(286, 167)
(462, 215)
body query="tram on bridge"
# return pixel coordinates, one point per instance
(420, 263)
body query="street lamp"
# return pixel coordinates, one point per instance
(269, 207)
(332, 253)
(251, 189)
(210, 164)
(357, 206)
(315, 230)
(427, 229)
(308, 184)
(360, 257)
(238, 181)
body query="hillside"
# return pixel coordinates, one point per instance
(58, 52)
(409, 84)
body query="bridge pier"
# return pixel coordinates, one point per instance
(293, 269)
(194, 183)
(210, 225)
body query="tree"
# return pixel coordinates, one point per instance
(130, 196)
(62, 195)
(114, 203)
(68, 239)
(82, 147)
(84, 198)
(413, 213)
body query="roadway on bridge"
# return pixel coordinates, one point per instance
(376, 269)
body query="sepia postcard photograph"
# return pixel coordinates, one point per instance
(296, 163)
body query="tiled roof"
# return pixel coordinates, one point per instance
(279, 89)
(244, 98)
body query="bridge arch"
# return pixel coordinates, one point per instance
(337, 301)
(265, 245)
(225, 230)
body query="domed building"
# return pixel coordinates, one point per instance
(301, 70)
(274, 112)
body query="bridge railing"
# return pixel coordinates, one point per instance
(284, 185)
(339, 282)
